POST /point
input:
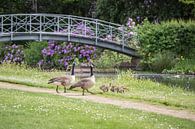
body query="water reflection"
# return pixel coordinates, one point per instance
(184, 81)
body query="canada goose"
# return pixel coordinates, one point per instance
(113, 88)
(64, 81)
(85, 83)
(121, 89)
(105, 88)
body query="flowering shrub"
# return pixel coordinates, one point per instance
(130, 24)
(132, 34)
(82, 30)
(61, 55)
(13, 54)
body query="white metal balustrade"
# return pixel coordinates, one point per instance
(65, 27)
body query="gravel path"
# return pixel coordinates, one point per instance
(93, 98)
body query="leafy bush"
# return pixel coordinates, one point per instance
(33, 52)
(110, 59)
(175, 36)
(184, 66)
(161, 61)
(155, 10)
(12, 53)
(60, 55)
(1, 51)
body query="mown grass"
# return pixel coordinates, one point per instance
(140, 90)
(24, 110)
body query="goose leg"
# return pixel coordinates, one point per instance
(57, 89)
(89, 91)
(64, 89)
(83, 91)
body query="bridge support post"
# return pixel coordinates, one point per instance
(123, 38)
(96, 32)
(1, 24)
(69, 27)
(58, 24)
(11, 27)
(40, 36)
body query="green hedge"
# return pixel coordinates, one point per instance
(174, 36)
(33, 52)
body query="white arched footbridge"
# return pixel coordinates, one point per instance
(68, 28)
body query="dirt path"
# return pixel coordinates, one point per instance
(93, 98)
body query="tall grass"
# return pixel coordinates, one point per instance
(184, 66)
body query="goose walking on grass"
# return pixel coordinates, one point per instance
(85, 83)
(64, 81)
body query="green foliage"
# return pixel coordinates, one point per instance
(111, 10)
(175, 36)
(72, 7)
(1, 51)
(33, 52)
(184, 66)
(155, 10)
(2, 46)
(110, 59)
(188, 1)
(161, 61)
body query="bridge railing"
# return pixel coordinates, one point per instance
(67, 25)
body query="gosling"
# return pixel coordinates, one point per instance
(121, 89)
(105, 88)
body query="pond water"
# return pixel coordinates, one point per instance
(186, 82)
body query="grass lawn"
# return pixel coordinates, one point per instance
(139, 90)
(24, 110)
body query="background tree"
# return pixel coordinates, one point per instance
(189, 2)
(155, 10)
(73, 7)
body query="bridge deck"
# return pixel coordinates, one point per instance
(65, 28)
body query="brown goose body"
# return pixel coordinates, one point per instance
(85, 83)
(63, 81)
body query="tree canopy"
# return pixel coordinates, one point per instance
(111, 10)
(155, 10)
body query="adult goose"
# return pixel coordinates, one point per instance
(85, 83)
(64, 81)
